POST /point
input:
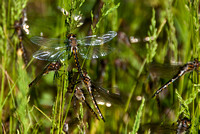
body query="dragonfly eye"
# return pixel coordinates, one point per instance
(68, 36)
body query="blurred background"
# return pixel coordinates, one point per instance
(154, 40)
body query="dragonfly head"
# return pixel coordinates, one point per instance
(196, 62)
(17, 25)
(71, 36)
(72, 39)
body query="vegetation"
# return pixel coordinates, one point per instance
(152, 37)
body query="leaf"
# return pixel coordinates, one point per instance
(138, 116)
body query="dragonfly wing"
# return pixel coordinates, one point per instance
(163, 70)
(97, 40)
(51, 42)
(95, 51)
(50, 54)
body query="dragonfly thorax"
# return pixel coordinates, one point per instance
(17, 25)
(72, 40)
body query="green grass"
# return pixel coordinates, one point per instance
(45, 108)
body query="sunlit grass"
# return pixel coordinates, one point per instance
(174, 26)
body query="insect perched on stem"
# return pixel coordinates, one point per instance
(52, 51)
(21, 28)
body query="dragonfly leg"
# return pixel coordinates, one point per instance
(50, 67)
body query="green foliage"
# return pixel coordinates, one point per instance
(59, 110)
(105, 11)
(17, 8)
(73, 13)
(138, 118)
(22, 98)
(166, 31)
(184, 109)
(11, 96)
(152, 45)
(173, 44)
(184, 106)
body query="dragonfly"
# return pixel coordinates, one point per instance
(180, 127)
(183, 124)
(56, 49)
(52, 50)
(99, 93)
(21, 28)
(53, 66)
(188, 67)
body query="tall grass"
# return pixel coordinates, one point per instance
(14, 82)
(48, 107)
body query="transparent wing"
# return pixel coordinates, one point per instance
(163, 70)
(92, 47)
(93, 52)
(51, 54)
(89, 47)
(97, 40)
(51, 42)
(107, 96)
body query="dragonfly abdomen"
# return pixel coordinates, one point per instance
(24, 54)
(189, 67)
(87, 82)
(74, 51)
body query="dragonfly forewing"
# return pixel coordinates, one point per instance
(49, 43)
(97, 40)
